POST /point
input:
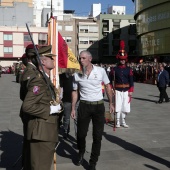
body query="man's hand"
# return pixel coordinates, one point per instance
(73, 114)
(111, 108)
(130, 94)
(113, 92)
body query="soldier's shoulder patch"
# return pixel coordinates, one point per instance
(36, 89)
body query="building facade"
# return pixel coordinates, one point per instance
(114, 28)
(153, 29)
(13, 41)
(87, 33)
(16, 15)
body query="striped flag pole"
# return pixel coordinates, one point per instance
(53, 40)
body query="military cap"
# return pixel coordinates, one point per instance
(122, 55)
(46, 51)
(30, 51)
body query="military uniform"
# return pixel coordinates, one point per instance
(41, 131)
(29, 73)
(122, 76)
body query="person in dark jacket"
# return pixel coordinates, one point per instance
(162, 84)
(66, 83)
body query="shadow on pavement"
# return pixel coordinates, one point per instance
(151, 167)
(11, 147)
(68, 149)
(136, 149)
(143, 99)
(153, 95)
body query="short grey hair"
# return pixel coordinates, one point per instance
(86, 52)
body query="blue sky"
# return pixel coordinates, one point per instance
(83, 7)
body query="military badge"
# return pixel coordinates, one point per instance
(36, 89)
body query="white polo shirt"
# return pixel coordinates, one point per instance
(90, 87)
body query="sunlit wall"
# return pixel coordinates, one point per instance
(153, 27)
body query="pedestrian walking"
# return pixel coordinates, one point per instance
(162, 84)
(91, 106)
(42, 126)
(121, 78)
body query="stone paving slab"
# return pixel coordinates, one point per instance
(145, 145)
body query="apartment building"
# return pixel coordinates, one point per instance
(13, 41)
(112, 29)
(87, 31)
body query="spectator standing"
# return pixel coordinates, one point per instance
(162, 84)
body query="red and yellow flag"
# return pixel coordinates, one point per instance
(66, 58)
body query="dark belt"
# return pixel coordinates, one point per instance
(122, 85)
(93, 103)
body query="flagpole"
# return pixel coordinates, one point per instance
(53, 40)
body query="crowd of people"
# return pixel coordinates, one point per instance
(145, 72)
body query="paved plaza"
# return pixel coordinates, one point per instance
(145, 145)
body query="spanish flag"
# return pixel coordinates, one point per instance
(66, 58)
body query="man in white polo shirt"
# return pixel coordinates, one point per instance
(91, 106)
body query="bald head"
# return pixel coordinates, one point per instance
(86, 53)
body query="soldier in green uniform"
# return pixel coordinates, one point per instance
(29, 60)
(42, 128)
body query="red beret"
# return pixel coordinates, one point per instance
(30, 46)
(24, 56)
(30, 51)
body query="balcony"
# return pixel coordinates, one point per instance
(88, 34)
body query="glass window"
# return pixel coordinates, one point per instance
(60, 27)
(92, 40)
(8, 49)
(68, 39)
(8, 37)
(83, 40)
(48, 3)
(27, 38)
(93, 29)
(83, 28)
(66, 17)
(69, 28)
